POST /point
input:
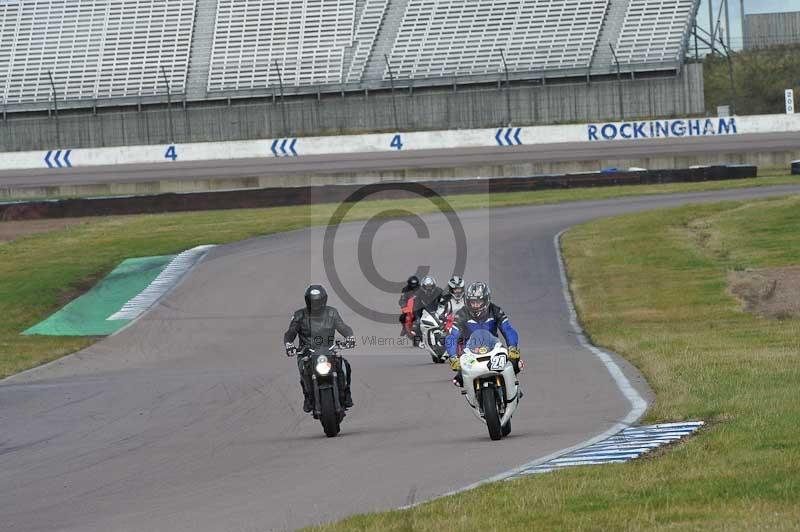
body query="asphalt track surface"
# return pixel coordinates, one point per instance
(268, 165)
(190, 418)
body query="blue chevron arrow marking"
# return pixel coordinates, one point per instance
(66, 158)
(58, 163)
(47, 159)
(509, 138)
(284, 147)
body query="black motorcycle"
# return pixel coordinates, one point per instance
(328, 381)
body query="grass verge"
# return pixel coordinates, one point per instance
(39, 273)
(652, 286)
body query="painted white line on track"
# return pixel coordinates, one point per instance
(162, 284)
(637, 402)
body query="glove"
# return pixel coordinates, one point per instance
(455, 363)
(291, 349)
(350, 342)
(513, 352)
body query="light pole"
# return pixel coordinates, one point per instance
(55, 106)
(711, 21)
(727, 23)
(283, 104)
(169, 106)
(619, 82)
(744, 27)
(391, 82)
(508, 87)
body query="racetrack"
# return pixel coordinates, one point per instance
(405, 160)
(190, 419)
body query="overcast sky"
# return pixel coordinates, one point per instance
(750, 6)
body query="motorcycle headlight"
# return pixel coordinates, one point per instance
(323, 365)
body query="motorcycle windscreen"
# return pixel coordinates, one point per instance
(482, 342)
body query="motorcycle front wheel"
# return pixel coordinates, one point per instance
(329, 418)
(490, 413)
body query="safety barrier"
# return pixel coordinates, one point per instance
(275, 197)
(63, 157)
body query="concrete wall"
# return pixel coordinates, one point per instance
(358, 112)
(770, 160)
(390, 142)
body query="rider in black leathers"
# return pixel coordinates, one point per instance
(428, 297)
(316, 325)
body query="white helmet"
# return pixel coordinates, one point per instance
(456, 286)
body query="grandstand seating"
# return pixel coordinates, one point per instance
(365, 36)
(654, 31)
(305, 37)
(464, 37)
(99, 49)
(94, 48)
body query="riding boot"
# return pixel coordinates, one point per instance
(348, 398)
(308, 399)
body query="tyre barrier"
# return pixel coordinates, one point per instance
(304, 195)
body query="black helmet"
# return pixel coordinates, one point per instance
(456, 287)
(413, 282)
(428, 284)
(478, 298)
(316, 299)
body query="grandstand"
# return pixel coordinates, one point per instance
(117, 52)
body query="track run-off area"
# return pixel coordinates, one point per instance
(190, 418)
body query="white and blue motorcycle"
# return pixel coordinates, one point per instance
(490, 387)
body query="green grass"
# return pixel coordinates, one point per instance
(653, 287)
(39, 273)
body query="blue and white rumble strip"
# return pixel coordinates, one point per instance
(162, 284)
(626, 445)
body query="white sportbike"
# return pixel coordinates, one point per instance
(433, 330)
(491, 387)
(433, 336)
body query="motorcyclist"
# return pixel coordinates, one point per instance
(408, 290)
(427, 298)
(451, 302)
(316, 325)
(406, 309)
(480, 313)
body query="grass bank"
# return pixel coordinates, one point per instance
(39, 273)
(653, 287)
